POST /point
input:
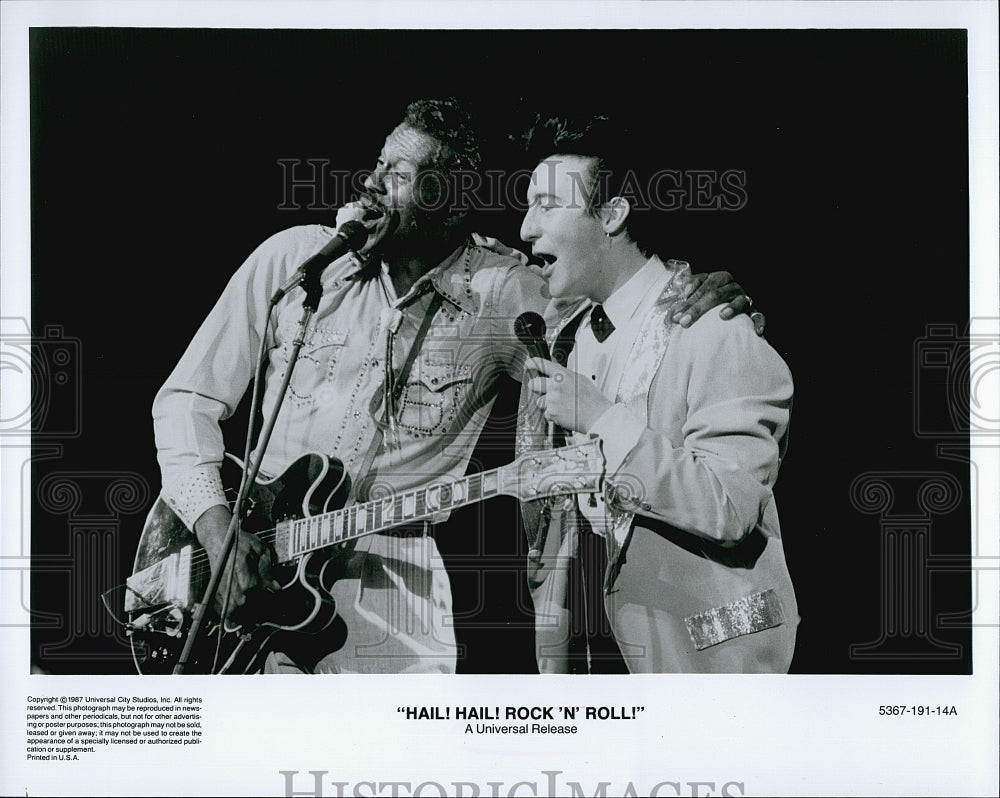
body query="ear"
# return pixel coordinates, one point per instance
(614, 213)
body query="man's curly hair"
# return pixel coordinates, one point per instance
(458, 150)
(448, 123)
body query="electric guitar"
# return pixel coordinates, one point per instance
(301, 516)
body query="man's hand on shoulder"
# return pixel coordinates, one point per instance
(702, 292)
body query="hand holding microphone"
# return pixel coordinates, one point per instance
(529, 328)
(567, 399)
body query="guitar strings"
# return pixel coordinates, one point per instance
(200, 564)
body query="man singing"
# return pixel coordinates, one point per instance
(684, 550)
(396, 378)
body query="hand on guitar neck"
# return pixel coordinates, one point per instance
(253, 558)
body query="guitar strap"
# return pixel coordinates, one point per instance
(365, 473)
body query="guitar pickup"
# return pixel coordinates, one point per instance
(166, 582)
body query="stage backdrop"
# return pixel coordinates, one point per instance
(161, 158)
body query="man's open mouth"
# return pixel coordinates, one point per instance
(371, 206)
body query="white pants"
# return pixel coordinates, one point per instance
(395, 601)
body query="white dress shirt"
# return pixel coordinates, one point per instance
(604, 361)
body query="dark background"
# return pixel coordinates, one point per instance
(155, 171)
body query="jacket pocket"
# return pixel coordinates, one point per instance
(433, 396)
(317, 362)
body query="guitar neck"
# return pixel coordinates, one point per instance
(295, 538)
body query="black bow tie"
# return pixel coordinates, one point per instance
(600, 323)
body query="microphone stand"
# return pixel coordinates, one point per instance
(314, 291)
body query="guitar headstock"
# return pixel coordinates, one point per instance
(556, 472)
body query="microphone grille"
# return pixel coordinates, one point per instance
(529, 327)
(354, 234)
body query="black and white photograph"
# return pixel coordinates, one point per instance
(433, 399)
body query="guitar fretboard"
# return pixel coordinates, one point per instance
(349, 523)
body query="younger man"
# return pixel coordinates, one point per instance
(694, 423)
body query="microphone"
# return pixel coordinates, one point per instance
(350, 237)
(530, 330)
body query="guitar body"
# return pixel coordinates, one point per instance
(172, 571)
(302, 516)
